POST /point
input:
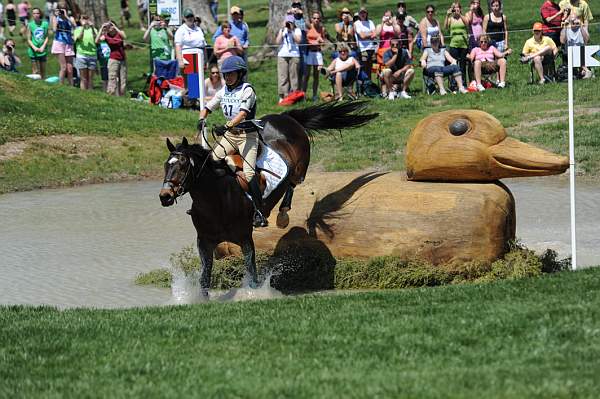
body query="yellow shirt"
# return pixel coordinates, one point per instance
(582, 10)
(531, 46)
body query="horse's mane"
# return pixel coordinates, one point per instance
(194, 149)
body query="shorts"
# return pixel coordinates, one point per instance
(314, 58)
(12, 22)
(367, 55)
(447, 70)
(85, 62)
(62, 48)
(395, 79)
(39, 59)
(24, 20)
(489, 67)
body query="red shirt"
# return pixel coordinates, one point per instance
(549, 8)
(117, 49)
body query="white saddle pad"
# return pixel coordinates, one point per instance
(271, 161)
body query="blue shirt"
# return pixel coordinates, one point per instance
(64, 31)
(240, 31)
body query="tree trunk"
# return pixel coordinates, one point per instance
(95, 9)
(202, 10)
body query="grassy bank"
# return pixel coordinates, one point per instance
(534, 338)
(31, 111)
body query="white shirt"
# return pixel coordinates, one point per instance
(574, 38)
(189, 38)
(242, 98)
(339, 64)
(288, 47)
(361, 27)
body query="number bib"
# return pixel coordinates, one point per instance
(233, 100)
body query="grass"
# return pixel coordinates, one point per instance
(33, 110)
(533, 338)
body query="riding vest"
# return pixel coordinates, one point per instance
(232, 102)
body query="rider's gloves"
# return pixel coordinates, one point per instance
(221, 130)
(201, 124)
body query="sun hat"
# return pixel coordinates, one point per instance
(235, 9)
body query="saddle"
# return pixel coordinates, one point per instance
(236, 166)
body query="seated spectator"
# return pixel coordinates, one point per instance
(213, 83)
(160, 38)
(539, 49)
(9, 61)
(434, 60)
(288, 57)
(488, 59)
(226, 44)
(579, 8)
(552, 17)
(573, 34)
(398, 70)
(343, 71)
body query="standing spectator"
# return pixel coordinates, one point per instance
(62, 46)
(430, 26)
(37, 39)
(9, 61)
(488, 59)
(2, 23)
(189, 37)
(85, 47)
(117, 63)
(344, 30)
(457, 23)
(288, 57)
(226, 45)
(314, 58)
(573, 34)
(300, 22)
(160, 38)
(23, 9)
(214, 9)
(398, 70)
(50, 7)
(343, 71)
(475, 18)
(366, 38)
(387, 30)
(539, 49)
(213, 83)
(580, 8)
(495, 25)
(552, 17)
(142, 7)
(434, 61)
(239, 29)
(405, 37)
(410, 22)
(125, 14)
(11, 16)
(103, 55)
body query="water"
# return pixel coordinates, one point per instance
(84, 246)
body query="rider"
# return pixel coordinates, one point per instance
(238, 103)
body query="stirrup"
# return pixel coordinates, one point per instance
(259, 219)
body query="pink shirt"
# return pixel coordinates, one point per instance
(488, 55)
(221, 43)
(23, 9)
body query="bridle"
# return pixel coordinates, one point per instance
(181, 189)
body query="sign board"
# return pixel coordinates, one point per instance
(584, 56)
(172, 7)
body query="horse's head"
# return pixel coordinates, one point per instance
(180, 170)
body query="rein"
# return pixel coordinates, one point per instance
(181, 190)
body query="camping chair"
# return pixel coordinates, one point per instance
(549, 67)
(350, 89)
(488, 79)
(429, 85)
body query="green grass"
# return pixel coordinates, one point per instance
(530, 338)
(32, 110)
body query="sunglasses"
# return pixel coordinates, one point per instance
(316, 18)
(483, 41)
(214, 72)
(430, 11)
(343, 51)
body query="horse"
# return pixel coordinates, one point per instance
(221, 210)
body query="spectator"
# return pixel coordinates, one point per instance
(213, 83)
(11, 16)
(405, 37)
(457, 23)
(103, 56)
(343, 71)
(226, 45)
(214, 9)
(398, 70)
(288, 57)
(117, 63)
(9, 61)
(366, 36)
(429, 26)
(142, 6)
(540, 49)
(314, 58)
(23, 10)
(62, 46)
(189, 37)
(85, 47)
(37, 39)
(475, 18)
(125, 14)
(298, 14)
(434, 61)
(239, 29)
(387, 30)
(300, 22)
(552, 17)
(573, 34)
(495, 25)
(160, 38)
(1, 19)
(409, 21)
(488, 59)
(580, 8)
(50, 7)
(344, 30)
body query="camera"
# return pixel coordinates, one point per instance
(324, 71)
(289, 25)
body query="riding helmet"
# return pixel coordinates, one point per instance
(234, 63)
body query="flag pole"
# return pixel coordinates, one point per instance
(572, 157)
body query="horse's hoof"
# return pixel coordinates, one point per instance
(283, 220)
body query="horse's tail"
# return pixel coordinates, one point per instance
(333, 115)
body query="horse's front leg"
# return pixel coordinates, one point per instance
(249, 252)
(205, 250)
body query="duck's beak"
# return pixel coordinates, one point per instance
(513, 158)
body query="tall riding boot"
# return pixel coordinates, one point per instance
(259, 220)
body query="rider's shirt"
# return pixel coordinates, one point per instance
(232, 102)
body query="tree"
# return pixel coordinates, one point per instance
(95, 9)
(202, 9)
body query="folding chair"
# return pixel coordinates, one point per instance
(549, 67)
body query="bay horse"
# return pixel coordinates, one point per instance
(221, 211)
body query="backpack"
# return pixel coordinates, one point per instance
(369, 89)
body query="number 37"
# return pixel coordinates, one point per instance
(227, 108)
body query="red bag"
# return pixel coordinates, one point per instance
(292, 98)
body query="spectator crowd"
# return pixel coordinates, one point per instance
(463, 50)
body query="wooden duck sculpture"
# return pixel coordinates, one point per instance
(446, 215)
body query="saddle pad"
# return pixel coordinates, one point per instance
(271, 161)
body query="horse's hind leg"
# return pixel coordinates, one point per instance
(205, 250)
(249, 252)
(286, 204)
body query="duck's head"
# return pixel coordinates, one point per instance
(469, 145)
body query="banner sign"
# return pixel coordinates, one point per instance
(584, 56)
(172, 7)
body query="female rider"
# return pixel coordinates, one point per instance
(238, 103)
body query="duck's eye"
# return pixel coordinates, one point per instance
(459, 127)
